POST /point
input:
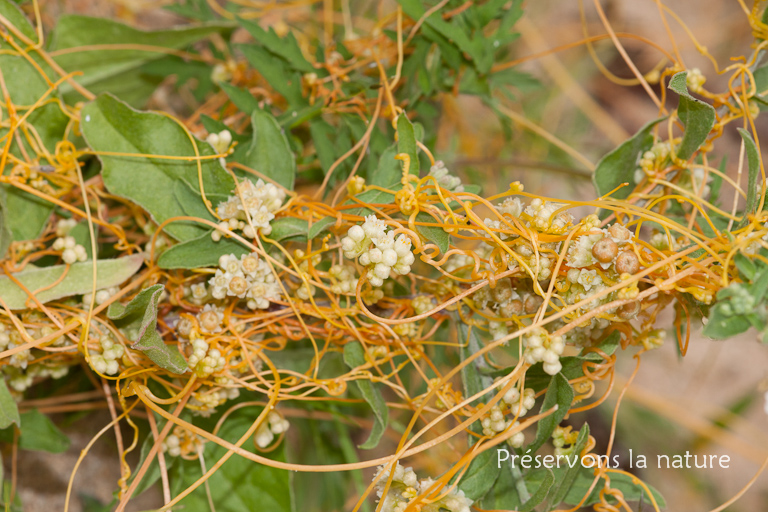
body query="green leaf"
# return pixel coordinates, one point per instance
(110, 125)
(276, 71)
(320, 226)
(153, 474)
(483, 470)
(434, 234)
(389, 171)
(697, 117)
(406, 142)
(481, 475)
(141, 315)
(541, 492)
(618, 166)
(474, 381)
(568, 476)
(753, 189)
(269, 152)
(285, 47)
(449, 31)
(722, 327)
(9, 410)
(25, 86)
(354, 357)
(37, 211)
(78, 281)
(373, 197)
(242, 99)
(746, 266)
(38, 433)
(624, 483)
(10, 11)
(16, 506)
(288, 227)
(73, 32)
(200, 252)
(6, 237)
(506, 495)
(239, 484)
(559, 393)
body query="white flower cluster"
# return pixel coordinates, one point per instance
(172, 445)
(541, 215)
(459, 261)
(422, 304)
(562, 436)
(260, 201)
(540, 346)
(106, 363)
(445, 180)
(496, 421)
(71, 251)
(249, 277)
(204, 402)
(11, 338)
(210, 319)
(652, 160)
(507, 302)
(205, 360)
(519, 405)
(198, 293)
(102, 296)
(498, 330)
(64, 226)
(600, 247)
(220, 142)
(542, 266)
(181, 440)
(275, 425)
(20, 380)
(227, 390)
(378, 250)
(343, 279)
(695, 80)
(406, 486)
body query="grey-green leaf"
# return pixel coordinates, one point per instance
(541, 492)
(141, 314)
(270, 153)
(697, 116)
(9, 410)
(722, 327)
(434, 234)
(98, 65)
(406, 142)
(110, 125)
(753, 189)
(79, 280)
(354, 357)
(200, 252)
(483, 470)
(618, 166)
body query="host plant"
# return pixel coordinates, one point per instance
(250, 284)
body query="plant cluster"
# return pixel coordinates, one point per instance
(254, 279)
